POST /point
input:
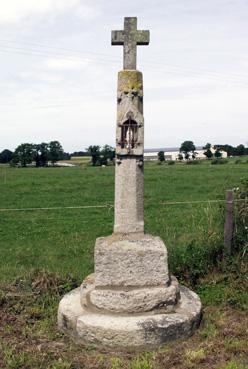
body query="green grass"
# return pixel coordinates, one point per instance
(46, 253)
(62, 240)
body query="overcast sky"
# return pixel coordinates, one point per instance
(58, 74)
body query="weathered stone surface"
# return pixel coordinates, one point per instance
(69, 310)
(129, 331)
(130, 99)
(130, 105)
(126, 300)
(129, 38)
(86, 288)
(131, 260)
(129, 203)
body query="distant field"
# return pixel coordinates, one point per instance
(78, 160)
(62, 240)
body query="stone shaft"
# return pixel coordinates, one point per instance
(129, 176)
(130, 37)
(129, 189)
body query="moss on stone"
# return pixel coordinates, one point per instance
(130, 80)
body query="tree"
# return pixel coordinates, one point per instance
(240, 150)
(94, 152)
(44, 154)
(180, 157)
(161, 156)
(66, 156)
(6, 156)
(56, 151)
(194, 154)
(230, 150)
(217, 153)
(186, 155)
(107, 153)
(23, 154)
(79, 153)
(186, 148)
(41, 154)
(208, 153)
(207, 146)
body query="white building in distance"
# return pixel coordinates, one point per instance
(171, 153)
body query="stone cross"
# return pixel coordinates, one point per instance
(130, 37)
(131, 301)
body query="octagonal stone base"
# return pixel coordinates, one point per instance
(125, 331)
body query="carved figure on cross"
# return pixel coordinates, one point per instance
(130, 37)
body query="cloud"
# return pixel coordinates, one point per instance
(218, 117)
(244, 63)
(66, 64)
(14, 11)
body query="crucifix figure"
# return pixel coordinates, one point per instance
(130, 37)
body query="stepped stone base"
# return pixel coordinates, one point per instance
(89, 325)
(131, 301)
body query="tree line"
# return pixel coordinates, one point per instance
(188, 151)
(101, 156)
(44, 153)
(41, 154)
(239, 150)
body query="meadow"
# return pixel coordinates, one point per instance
(62, 240)
(45, 252)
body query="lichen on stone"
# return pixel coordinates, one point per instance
(130, 81)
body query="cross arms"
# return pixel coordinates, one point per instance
(130, 37)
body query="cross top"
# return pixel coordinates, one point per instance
(130, 37)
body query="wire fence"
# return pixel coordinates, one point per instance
(108, 206)
(229, 203)
(111, 206)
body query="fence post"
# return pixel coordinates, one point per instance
(228, 228)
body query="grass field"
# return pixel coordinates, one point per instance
(44, 253)
(62, 240)
(78, 160)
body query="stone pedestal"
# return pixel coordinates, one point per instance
(134, 260)
(131, 301)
